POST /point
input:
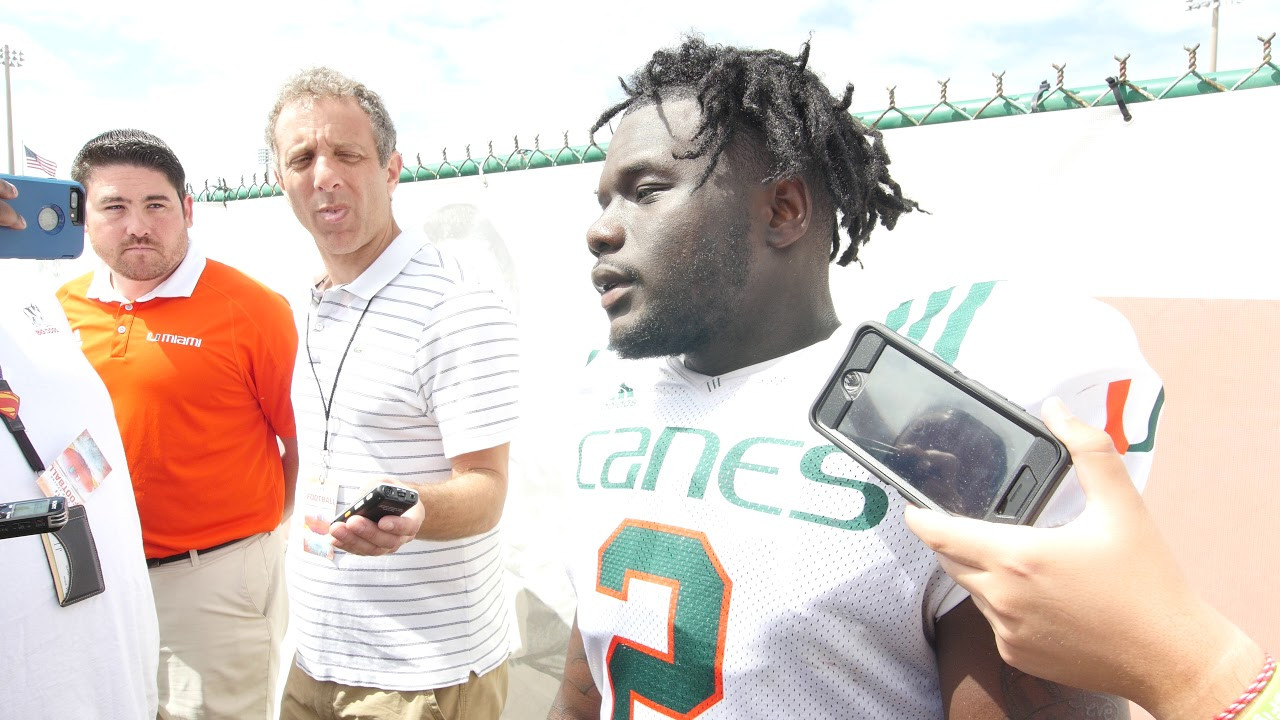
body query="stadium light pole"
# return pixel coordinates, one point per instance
(10, 58)
(1213, 5)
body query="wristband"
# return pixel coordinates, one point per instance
(1259, 701)
(1264, 707)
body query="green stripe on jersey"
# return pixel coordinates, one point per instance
(937, 301)
(958, 321)
(948, 346)
(898, 317)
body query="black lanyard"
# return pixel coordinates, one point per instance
(14, 423)
(312, 362)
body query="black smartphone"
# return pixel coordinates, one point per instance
(380, 502)
(54, 211)
(32, 517)
(942, 440)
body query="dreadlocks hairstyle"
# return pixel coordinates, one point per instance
(806, 131)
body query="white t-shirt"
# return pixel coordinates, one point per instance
(429, 372)
(728, 560)
(96, 658)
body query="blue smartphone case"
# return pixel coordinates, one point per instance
(54, 211)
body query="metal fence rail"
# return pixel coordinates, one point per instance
(1118, 91)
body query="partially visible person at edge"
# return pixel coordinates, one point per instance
(1100, 603)
(198, 359)
(95, 658)
(407, 375)
(728, 561)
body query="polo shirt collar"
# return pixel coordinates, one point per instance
(387, 265)
(179, 284)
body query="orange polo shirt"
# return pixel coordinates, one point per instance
(199, 371)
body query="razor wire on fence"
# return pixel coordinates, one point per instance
(518, 159)
(1118, 91)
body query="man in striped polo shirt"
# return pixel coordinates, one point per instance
(407, 375)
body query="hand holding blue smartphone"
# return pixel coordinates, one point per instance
(54, 211)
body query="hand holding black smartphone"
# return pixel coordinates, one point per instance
(941, 439)
(380, 502)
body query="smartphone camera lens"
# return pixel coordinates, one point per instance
(50, 219)
(851, 383)
(73, 200)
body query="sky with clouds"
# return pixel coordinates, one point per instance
(204, 75)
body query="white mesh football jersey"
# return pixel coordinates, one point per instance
(729, 562)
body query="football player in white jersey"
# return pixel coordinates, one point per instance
(728, 562)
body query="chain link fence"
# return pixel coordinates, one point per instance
(1118, 91)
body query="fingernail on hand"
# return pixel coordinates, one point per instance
(1054, 406)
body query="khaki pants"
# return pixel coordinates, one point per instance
(479, 698)
(222, 615)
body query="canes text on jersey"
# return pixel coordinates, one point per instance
(682, 459)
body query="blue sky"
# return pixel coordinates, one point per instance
(457, 73)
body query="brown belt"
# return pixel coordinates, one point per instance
(157, 562)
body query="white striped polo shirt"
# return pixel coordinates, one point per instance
(431, 373)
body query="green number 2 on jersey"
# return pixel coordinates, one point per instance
(688, 678)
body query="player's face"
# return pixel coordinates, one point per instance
(136, 222)
(672, 257)
(330, 172)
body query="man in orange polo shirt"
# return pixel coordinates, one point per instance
(198, 359)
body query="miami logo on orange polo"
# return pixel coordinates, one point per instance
(174, 339)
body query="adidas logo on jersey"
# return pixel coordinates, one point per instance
(624, 397)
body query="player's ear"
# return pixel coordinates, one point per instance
(790, 211)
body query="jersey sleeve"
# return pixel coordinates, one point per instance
(1030, 343)
(469, 370)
